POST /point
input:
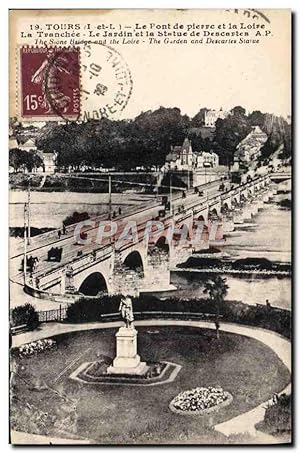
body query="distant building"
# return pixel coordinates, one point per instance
(13, 142)
(49, 162)
(205, 159)
(28, 145)
(49, 159)
(211, 117)
(183, 158)
(249, 148)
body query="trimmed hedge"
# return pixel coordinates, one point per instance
(278, 417)
(278, 320)
(270, 318)
(90, 310)
(24, 314)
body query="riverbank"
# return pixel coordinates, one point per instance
(83, 182)
(227, 270)
(249, 289)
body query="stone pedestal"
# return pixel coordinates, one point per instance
(63, 283)
(238, 217)
(254, 207)
(247, 213)
(266, 197)
(228, 224)
(260, 204)
(127, 360)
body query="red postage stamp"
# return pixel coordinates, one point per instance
(49, 83)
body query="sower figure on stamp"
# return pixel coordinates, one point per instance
(48, 75)
(126, 311)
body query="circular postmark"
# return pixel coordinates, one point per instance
(251, 13)
(106, 82)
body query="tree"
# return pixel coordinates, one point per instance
(217, 290)
(229, 133)
(280, 134)
(16, 158)
(19, 158)
(257, 118)
(32, 160)
(156, 131)
(238, 111)
(198, 119)
(25, 314)
(196, 139)
(144, 141)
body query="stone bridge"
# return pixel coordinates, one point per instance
(281, 175)
(142, 262)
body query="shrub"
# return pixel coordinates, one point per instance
(25, 314)
(75, 218)
(278, 416)
(89, 310)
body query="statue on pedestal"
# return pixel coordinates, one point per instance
(127, 360)
(126, 311)
(69, 280)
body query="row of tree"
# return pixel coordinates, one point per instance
(20, 159)
(146, 140)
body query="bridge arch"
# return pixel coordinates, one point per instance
(182, 233)
(163, 245)
(93, 284)
(201, 218)
(225, 208)
(134, 262)
(213, 212)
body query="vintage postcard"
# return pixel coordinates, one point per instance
(150, 160)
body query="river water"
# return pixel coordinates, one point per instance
(49, 209)
(268, 236)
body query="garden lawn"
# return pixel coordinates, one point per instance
(112, 414)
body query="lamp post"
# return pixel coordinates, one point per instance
(109, 194)
(28, 211)
(171, 209)
(25, 243)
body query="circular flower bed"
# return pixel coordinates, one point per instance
(201, 400)
(36, 347)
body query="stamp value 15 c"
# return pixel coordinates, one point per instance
(49, 83)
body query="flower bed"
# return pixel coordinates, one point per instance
(36, 347)
(200, 401)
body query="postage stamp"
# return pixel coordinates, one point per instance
(49, 83)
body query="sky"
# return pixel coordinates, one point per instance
(189, 77)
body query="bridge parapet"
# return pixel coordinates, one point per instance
(54, 276)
